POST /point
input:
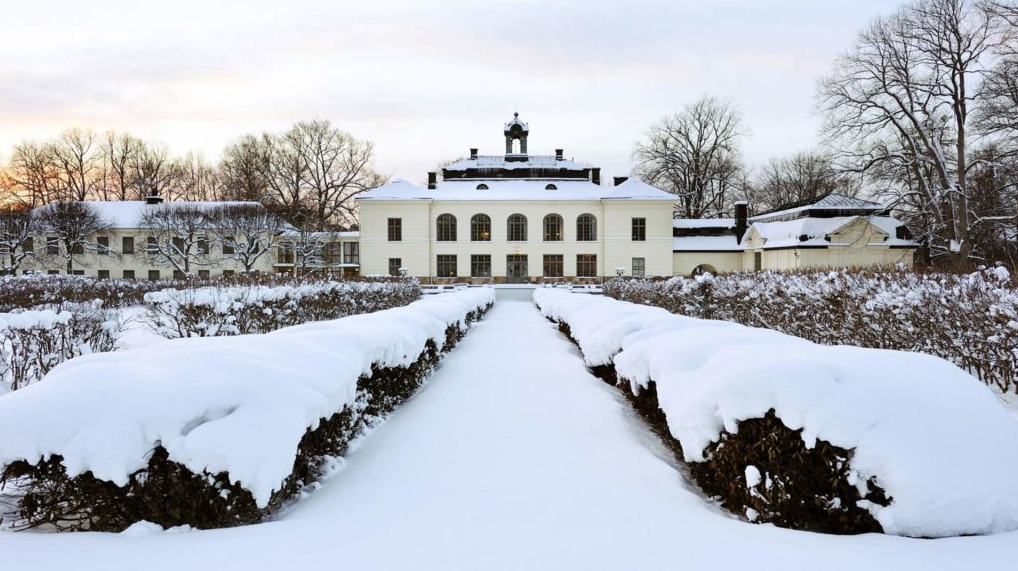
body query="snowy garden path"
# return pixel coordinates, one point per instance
(513, 457)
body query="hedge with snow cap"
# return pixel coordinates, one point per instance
(837, 439)
(213, 432)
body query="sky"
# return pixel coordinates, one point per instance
(425, 80)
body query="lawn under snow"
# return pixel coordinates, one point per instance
(512, 457)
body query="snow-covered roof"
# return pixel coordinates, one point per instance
(806, 232)
(128, 213)
(500, 162)
(726, 243)
(827, 202)
(498, 190)
(695, 223)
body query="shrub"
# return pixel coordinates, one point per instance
(167, 492)
(968, 319)
(33, 342)
(237, 309)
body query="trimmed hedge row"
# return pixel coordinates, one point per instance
(218, 310)
(798, 488)
(970, 320)
(167, 493)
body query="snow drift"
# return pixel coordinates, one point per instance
(937, 441)
(238, 405)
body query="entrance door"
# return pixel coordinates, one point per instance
(516, 269)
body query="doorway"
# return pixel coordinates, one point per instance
(516, 269)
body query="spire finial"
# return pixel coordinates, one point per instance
(516, 114)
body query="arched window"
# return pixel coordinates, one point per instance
(553, 228)
(446, 231)
(586, 228)
(517, 230)
(480, 228)
(482, 186)
(551, 187)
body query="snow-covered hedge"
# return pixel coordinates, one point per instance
(33, 342)
(904, 429)
(240, 309)
(970, 320)
(40, 291)
(213, 431)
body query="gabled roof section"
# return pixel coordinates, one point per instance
(830, 204)
(128, 213)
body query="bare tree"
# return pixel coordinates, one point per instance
(694, 155)
(153, 170)
(197, 180)
(178, 235)
(242, 170)
(899, 107)
(18, 226)
(301, 244)
(804, 176)
(246, 232)
(32, 174)
(72, 226)
(118, 152)
(76, 154)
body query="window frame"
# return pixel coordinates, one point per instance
(480, 261)
(394, 268)
(395, 229)
(127, 245)
(445, 227)
(587, 263)
(446, 266)
(639, 227)
(557, 263)
(516, 228)
(551, 223)
(480, 228)
(642, 271)
(586, 232)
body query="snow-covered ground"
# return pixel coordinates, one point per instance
(513, 457)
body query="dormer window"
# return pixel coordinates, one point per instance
(551, 187)
(482, 186)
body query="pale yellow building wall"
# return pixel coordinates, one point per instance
(419, 249)
(722, 262)
(857, 245)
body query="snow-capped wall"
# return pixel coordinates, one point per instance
(235, 404)
(938, 442)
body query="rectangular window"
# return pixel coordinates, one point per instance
(178, 244)
(227, 273)
(394, 265)
(553, 265)
(178, 275)
(639, 229)
(152, 245)
(203, 246)
(758, 261)
(395, 229)
(153, 275)
(103, 274)
(128, 274)
(351, 253)
(78, 248)
(480, 266)
(52, 246)
(332, 254)
(78, 272)
(203, 274)
(127, 245)
(285, 254)
(103, 243)
(229, 248)
(446, 266)
(639, 267)
(29, 246)
(586, 265)
(53, 272)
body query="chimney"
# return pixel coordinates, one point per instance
(741, 219)
(558, 154)
(620, 179)
(595, 176)
(473, 154)
(153, 199)
(432, 180)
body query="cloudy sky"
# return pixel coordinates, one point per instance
(424, 79)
